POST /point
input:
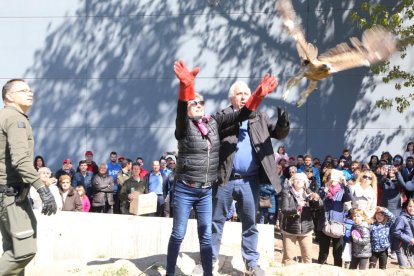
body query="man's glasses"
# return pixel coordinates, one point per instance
(171, 163)
(26, 91)
(65, 182)
(367, 177)
(163, 163)
(195, 103)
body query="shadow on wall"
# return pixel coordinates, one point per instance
(105, 77)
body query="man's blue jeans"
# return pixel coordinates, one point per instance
(185, 198)
(246, 192)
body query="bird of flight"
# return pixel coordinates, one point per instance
(377, 44)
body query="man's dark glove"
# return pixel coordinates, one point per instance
(49, 203)
(282, 117)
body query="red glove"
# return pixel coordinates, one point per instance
(186, 91)
(267, 85)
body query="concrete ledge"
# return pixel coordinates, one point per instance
(89, 236)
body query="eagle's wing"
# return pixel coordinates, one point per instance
(306, 51)
(377, 45)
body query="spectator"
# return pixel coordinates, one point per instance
(134, 183)
(69, 197)
(380, 237)
(39, 162)
(91, 165)
(125, 172)
(373, 162)
(364, 193)
(391, 192)
(308, 163)
(361, 240)
(171, 160)
(157, 183)
(83, 177)
(140, 161)
(86, 204)
(408, 171)
(334, 195)
(168, 207)
(387, 157)
(292, 161)
(299, 161)
(397, 161)
(45, 176)
(281, 154)
(297, 226)
(66, 169)
(346, 155)
(409, 150)
(402, 233)
(113, 168)
(102, 191)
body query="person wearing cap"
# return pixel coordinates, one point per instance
(91, 165)
(17, 175)
(66, 169)
(246, 160)
(198, 140)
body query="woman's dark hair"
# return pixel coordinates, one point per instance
(408, 144)
(35, 161)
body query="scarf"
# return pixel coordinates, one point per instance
(200, 122)
(332, 190)
(300, 198)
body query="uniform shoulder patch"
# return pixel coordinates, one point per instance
(21, 125)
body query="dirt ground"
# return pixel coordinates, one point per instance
(154, 266)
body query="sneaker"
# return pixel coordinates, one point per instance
(255, 271)
(346, 265)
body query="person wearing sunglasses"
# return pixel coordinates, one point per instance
(17, 175)
(198, 140)
(364, 193)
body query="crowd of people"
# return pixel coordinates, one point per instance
(225, 167)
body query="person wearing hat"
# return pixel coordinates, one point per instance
(198, 141)
(17, 174)
(92, 166)
(66, 169)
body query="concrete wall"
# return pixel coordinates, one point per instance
(102, 73)
(85, 237)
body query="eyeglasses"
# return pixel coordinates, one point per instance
(163, 163)
(172, 163)
(26, 91)
(367, 177)
(65, 182)
(195, 103)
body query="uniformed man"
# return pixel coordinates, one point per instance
(17, 174)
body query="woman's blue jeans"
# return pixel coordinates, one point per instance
(185, 198)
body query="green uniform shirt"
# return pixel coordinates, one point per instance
(16, 149)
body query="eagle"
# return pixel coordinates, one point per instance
(377, 44)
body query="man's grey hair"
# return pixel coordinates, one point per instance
(44, 169)
(237, 86)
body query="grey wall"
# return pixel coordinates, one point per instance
(102, 73)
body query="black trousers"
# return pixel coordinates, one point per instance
(362, 263)
(324, 244)
(382, 256)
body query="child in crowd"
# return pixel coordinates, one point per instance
(380, 237)
(403, 236)
(347, 252)
(86, 205)
(361, 240)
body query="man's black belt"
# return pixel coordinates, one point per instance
(236, 176)
(198, 185)
(9, 191)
